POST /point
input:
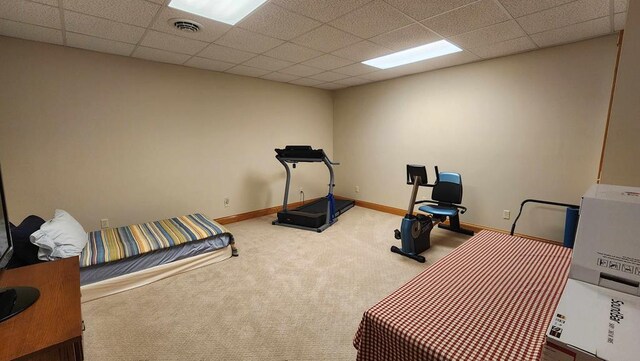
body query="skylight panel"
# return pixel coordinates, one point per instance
(422, 52)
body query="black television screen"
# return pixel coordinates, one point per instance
(13, 300)
(6, 248)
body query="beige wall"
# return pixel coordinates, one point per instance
(105, 136)
(517, 127)
(621, 165)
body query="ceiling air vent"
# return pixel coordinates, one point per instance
(185, 25)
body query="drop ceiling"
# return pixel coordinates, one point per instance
(316, 43)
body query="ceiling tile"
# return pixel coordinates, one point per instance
(247, 71)
(318, 54)
(30, 32)
(248, 41)
(176, 44)
(326, 38)
(471, 17)
(267, 63)
(159, 55)
(361, 51)
(330, 86)
(422, 9)
(490, 34)
(30, 13)
(518, 8)
(275, 76)
(381, 75)
(512, 46)
(407, 37)
(375, 18)
(209, 31)
(571, 33)
(324, 10)
(222, 53)
(274, 21)
(208, 64)
(327, 62)
(292, 52)
(328, 76)
(134, 12)
(356, 69)
(446, 61)
(619, 21)
(306, 82)
(620, 6)
(573, 13)
(97, 44)
(107, 29)
(301, 70)
(47, 2)
(352, 81)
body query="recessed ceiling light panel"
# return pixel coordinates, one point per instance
(422, 52)
(226, 11)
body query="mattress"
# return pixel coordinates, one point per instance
(149, 275)
(125, 266)
(490, 299)
(118, 251)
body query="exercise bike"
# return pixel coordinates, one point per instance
(415, 230)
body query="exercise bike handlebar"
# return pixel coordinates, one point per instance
(437, 177)
(413, 178)
(415, 175)
(513, 226)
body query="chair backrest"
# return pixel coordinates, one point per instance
(448, 189)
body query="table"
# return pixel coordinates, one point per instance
(51, 329)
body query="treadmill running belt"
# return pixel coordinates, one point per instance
(320, 206)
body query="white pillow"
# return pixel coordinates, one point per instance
(60, 237)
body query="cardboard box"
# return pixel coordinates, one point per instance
(607, 245)
(593, 323)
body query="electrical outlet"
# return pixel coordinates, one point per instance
(357, 189)
(506, 214)
(226, 202)
(104, 223)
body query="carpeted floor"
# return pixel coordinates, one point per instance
(291, 295)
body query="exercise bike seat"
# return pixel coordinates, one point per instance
(437, 210)
(446, 196)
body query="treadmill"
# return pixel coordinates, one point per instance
(319, 214)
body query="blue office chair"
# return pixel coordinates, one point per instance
(445, 202)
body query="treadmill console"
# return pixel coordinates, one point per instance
(300, 153)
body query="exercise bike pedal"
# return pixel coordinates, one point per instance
(396, 234)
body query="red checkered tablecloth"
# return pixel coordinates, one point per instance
(490, 299)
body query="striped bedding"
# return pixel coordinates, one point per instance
(114, 244)
(490, 299)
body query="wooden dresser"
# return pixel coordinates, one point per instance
(51, 329)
